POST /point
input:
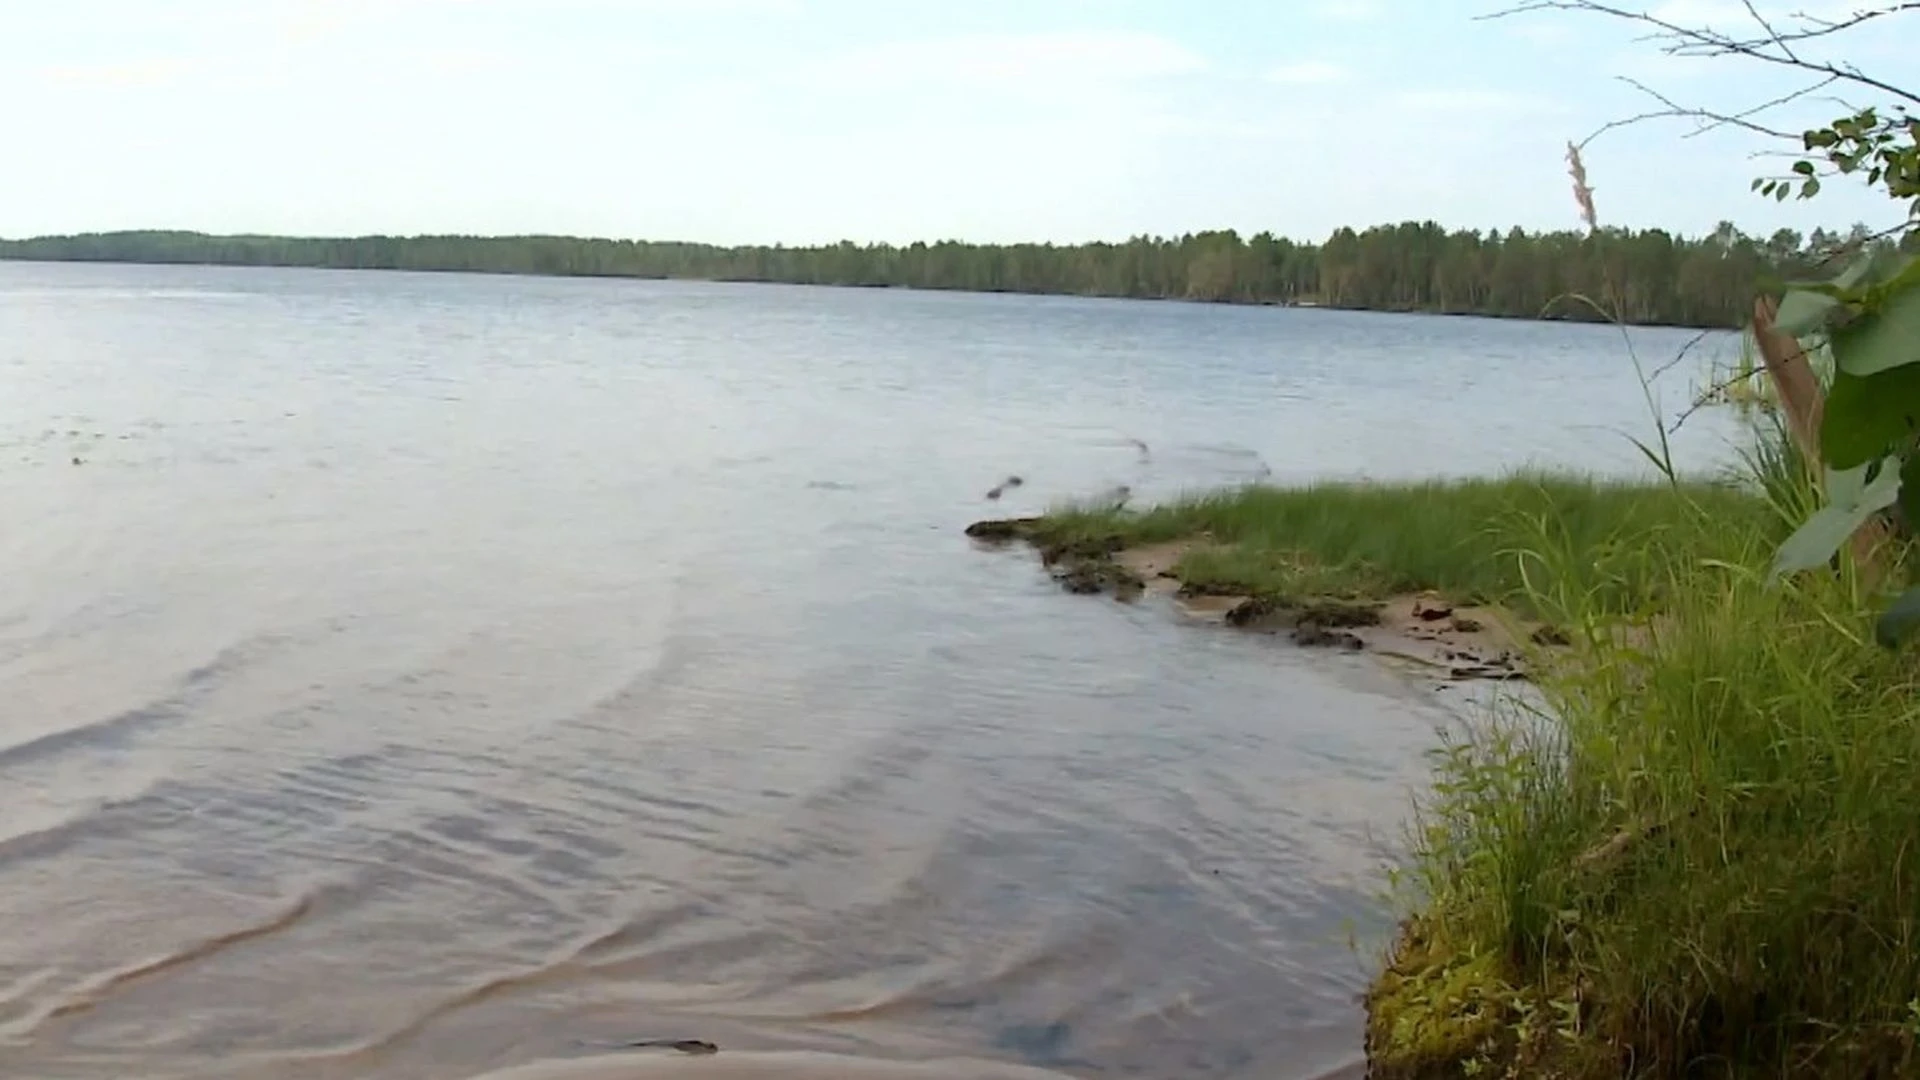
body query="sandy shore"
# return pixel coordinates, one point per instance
(1420, 630)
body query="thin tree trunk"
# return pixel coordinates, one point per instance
(1804, 404)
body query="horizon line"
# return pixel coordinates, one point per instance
(954, 241)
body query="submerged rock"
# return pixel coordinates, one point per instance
(1089, 577)
(1003, 529)
(1005, 486)
(1253, 610)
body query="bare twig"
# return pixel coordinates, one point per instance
(1775, 47)
(1705, 119)
(1852, 245)
(1679, 356)
(1778, 41)
(1710, 396)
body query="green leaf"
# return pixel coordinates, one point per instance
(1848, 488)
(1856, 271)
(1804, 168)
(1865, 415)
(1854, 499)
(1884, 338)
(1803, 311)
(1900, 619)
(1905, 277)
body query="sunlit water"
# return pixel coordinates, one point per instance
(422, 675)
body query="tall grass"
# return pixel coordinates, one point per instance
(1715, 839)
(1467, 539)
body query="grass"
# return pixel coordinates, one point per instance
(1474, 541)
(1707, 862)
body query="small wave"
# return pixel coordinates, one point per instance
(93, 993)
(87, 820)
(108, 731)
(114, 731)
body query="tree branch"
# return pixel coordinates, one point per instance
(1776, 47)
(1706, 119)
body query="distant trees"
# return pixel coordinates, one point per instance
(1413, 266)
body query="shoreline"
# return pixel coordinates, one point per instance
(1573, 316)
(1419, 631)
(1736, 753)
(1426, 1012)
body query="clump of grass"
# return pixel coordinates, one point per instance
(1466, 539)
(1716, 838)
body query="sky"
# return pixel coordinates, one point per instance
(803, 121)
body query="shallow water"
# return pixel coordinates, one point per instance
(422, 675)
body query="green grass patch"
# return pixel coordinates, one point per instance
(1712, 835)
(1475, 541)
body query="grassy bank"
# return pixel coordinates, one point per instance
(1527, 541)
(1707, 862)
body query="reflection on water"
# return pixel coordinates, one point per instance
(425, 675)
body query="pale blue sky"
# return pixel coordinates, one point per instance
(812, 120)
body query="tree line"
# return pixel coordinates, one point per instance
(1648, 276)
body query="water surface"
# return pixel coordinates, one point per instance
(417, 675)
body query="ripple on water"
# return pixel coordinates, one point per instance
(624, 673)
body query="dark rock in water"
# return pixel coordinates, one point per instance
(1002, 528)
(698, 1047)
(1088, 577)
(1467, 626)
(1432, 614)
(1081, 578)
(1551, 635)
(1253, 610)
(1005, 486)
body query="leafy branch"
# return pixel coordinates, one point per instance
(1864, 428)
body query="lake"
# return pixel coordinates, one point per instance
(420, 675)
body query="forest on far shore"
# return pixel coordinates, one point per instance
(1649, 276)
